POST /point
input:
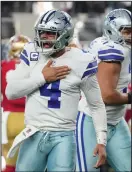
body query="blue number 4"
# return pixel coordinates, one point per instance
(54, 93)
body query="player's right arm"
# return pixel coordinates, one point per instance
(19, 81)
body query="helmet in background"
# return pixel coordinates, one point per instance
(115, 22)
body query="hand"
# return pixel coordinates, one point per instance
(54, 73)
(101, 151)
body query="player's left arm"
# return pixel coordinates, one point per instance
(92, 92)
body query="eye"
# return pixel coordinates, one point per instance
(41, 32)
(52, 33)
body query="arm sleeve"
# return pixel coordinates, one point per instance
(93, 96)
(20, 83)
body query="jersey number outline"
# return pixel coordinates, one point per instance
(54, 93)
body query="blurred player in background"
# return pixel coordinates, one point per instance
(53, 93)
(114, 53)
(13, 110)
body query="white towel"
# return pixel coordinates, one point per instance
(26, 133)
(4, 127)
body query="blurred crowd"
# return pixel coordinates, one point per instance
(87, 16)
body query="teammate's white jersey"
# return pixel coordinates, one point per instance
(109, 51)
(54, 106)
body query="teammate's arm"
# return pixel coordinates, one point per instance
(92, 93)
(108, 75)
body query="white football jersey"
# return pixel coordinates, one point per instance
(54, 106)
(109, 51)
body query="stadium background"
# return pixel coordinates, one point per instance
(20, 16)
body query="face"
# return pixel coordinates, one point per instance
(48, 38)
(127, 34)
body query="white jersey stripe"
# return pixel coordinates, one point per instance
(80, 149)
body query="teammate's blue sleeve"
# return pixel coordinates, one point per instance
(111, 54)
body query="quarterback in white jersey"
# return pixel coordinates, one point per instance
(114, 54)
(52, 104)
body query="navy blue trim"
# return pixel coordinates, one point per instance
(84, 51)
(82, 141)
(43, 17)
(111, 57)
(110, 51)
(22, 57)
(89, 72)
(49, 16)
(78, 155)
(92, 64)
(129, 15)
(124, 90)
(25, 53)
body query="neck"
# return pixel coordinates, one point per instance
(58, 54)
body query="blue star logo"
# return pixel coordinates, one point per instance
(112, 18)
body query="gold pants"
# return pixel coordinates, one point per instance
(15, 124)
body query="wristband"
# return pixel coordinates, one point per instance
(102, 138)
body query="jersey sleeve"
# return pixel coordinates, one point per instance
(91, 67)
(84, 63)
(20, 82)
(110, 54)
(92, 92)
(25, 55)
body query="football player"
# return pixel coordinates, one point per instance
(51, 75)
(113, 50)
(13, 110)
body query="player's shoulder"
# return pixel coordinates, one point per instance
(98, 42)
(29, 46)
(111, 51)
(29, 53)
(74, 50)
(79, 55)
(84, 63)
(105, 43)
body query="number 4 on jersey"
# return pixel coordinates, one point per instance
(54, 93)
